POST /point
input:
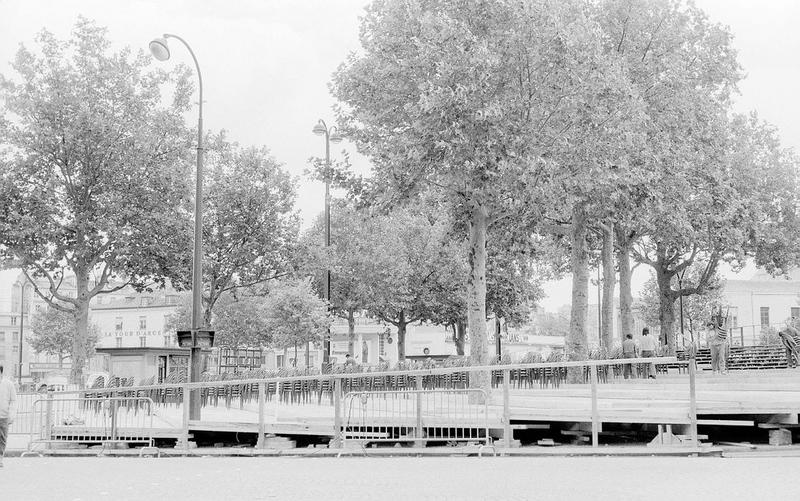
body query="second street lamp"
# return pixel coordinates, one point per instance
(331, 135)
(160, 51)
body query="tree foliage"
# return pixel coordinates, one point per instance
(93, 174)
(473, 98)
(294, 314)
(249, 222)
(53, 332)
(239, 321)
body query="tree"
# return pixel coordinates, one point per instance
(742, 201)
(53, 332)
(697, 308)
(93, 173)
(249, 222)
(295, 315)
(473, 99)
(684, 68)
(409, 253)
(348, 258)
(239, 321)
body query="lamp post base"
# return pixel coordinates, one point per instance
(195, 372)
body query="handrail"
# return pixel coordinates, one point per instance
(356, 375)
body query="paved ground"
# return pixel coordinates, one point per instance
(616, 479)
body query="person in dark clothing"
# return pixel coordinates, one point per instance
(790, 337)
(628, 351)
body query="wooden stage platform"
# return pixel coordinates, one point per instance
(758, 398)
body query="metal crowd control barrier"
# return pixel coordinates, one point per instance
(416, 415)
(357, 405)
(60, 418)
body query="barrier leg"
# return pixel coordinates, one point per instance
(48, 419)
(506, 409)
(186, 414)
(337, 413)
(262, 425)
(419, 432)
(595, 411)
(692, 403)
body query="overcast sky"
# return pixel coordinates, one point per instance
(266, 64)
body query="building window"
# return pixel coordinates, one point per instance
(167, 340)
(13, 320)
(119, 342)
(795, 312)
(382, 344)
(118, 324)
(142, 323)
(142, 341)
(764, 316)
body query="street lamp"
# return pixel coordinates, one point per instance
(160, 51)
(331, 135)
(21, 327)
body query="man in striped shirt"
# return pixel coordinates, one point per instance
(790, 337)
(717, 339)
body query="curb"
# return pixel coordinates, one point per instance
(471, 451)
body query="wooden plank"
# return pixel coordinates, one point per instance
(725, 422)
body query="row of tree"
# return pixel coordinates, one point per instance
(96, 196)
(510, 142)
(605, 127)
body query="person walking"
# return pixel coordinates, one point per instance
(790, 337)
(648, 346)
(628, 351)
(8, 410)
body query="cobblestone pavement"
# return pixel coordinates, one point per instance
(453, 478)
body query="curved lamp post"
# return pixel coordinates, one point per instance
(331, 135)
(160, 51)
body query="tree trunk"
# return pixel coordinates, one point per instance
(460, 331)
(625, 293)
(666, 310)
(576, 342)
(81, 315)
(401, 336)
(609, 283)
(476, 287)
(497, 339)
(351, 333)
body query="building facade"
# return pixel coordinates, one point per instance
(761, 304)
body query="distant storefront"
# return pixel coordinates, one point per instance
(162, 364)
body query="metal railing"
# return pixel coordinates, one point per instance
(266, 405)
(416, 415)
(87, 419)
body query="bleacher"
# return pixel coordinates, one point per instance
(744, 357)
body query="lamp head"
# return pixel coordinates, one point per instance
(159, 49)
(335, 136)
(319, 129)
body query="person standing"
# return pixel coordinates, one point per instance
(628, 351)
(648, 346)
(8, 410)
(717, 340)
(790, 337)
